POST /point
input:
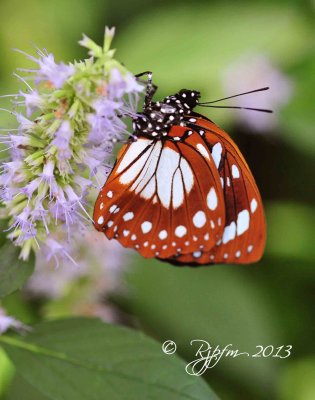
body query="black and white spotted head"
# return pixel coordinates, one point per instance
(189, 98)
(157, 118)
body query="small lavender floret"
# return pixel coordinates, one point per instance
(8, 322)
(256, 71)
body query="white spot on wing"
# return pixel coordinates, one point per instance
(229, 232)
(235, 171)
(253, 205)
(178, 190)
(126, 233)
(112, 208)
(187, 175)
(199, 219)
(149, 190)
(133, 151)
(197, 254)
(128, 216)
(134, 170)
(180, 231)
(145, 182)
(212, 199)
(242, 222)
(216, 154)
(168, 164)
(110, 194)
(163, 234)
(100, 220)
(146, 226)
(202, 150)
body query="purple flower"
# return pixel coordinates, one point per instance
(41, 214)
(253, 72)
(62, 141)
(12, 173)
(68, 207)
(54, 250)
(100, 263)
(7, 322)
(48, 177)
(94, 158)
(104, 129)
(23, 223)
(30, 188)
(105, 107)
(52, 72)
(132, 85)
(24, 123)
(19, 140)
(83, 183)
(56, 157)
(33, 101)
(120, 84)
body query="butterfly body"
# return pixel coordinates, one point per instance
(181, 191)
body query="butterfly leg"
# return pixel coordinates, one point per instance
(151, 88)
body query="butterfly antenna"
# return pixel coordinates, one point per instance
(240, 108)
(236, 95)
(209, 103)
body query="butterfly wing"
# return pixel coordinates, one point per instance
(244, 234)
(163, 197)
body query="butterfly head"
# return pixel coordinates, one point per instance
(188, 98)
(157, 118)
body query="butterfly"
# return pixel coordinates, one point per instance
(180, 190)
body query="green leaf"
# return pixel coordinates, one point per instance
(86, 359)
(291, 231)
(297, 380)
(6, 372)
(298, 116)
(220, 304)
(13, 272)
(20, 389)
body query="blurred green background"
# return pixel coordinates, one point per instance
(199, 45)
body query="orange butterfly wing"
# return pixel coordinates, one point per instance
(163, 197)
(244, 234)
